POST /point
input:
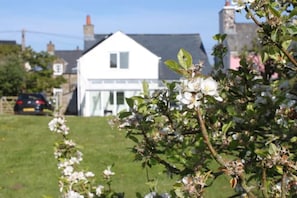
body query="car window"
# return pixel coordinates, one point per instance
(30, 96)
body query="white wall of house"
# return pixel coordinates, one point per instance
(98, 82)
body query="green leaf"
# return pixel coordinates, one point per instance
(124, 114)
(219, 37)
(274, 35)
(226, 127)
(185, 59)
(231, 110)
(145, 87)
(260, 152)
(292, 29)
(272, 149)
(293, 139)
(274, 11)
(174, 66)
(134, 139)
(286, 44)
(279, 169)
(130, 102)
(250, 107)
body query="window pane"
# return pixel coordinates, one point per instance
(111, 98)
(124, 60)
(120, 98)
(113, 60)
(58, 69)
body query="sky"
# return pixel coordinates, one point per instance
(61, 21)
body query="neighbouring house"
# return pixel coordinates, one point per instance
(113, 66)
(240, 36)
(66, 64)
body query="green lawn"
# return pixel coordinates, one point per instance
(29, 170)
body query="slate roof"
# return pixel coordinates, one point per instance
(7, 42)
(70, 56)
(165, 46)
(246, 34)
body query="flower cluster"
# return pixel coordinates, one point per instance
(58, 125)
(73, 182)
(234, 168)
(193, 90)
(280, 156)
(193, 185)
(108, 173)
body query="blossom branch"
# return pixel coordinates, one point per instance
(287, 54)
(214, 153)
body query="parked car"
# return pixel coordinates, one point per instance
(33, 103)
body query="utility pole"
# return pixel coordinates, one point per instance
(23, 40)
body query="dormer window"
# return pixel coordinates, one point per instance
(58, 69)
(119, 60)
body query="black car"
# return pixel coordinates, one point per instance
(33, 103)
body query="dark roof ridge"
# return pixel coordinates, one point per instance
(156, 34)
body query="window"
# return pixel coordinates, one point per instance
(58, 69)
(113, 60)
(120, 98)
(111, 98)
(119, 60)
(124, 60)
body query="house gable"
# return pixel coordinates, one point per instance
(95, 62)
(165, 46)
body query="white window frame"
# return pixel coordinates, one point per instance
(118, 64)
(58, 69)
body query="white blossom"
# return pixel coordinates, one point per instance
(210, 87)
(58, 125)
(69, 142)
(192, 91)
(73, 194)
(190, 99)
(107, 172)
(77, 176)
(192, 85)
(74, 160)
(99, 190)
(68, 170)
(89, 174)
(57, 154)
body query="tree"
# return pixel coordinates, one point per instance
(12, 76)
(40, 77)
(244, 122)
(26, 71)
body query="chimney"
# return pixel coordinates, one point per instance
(227, 19)
(88, 20)
(89, 30)
(227, 3)
(51, 48)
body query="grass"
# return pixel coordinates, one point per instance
(28, 168)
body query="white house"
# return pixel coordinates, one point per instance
(113, 66)
(112, 70)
